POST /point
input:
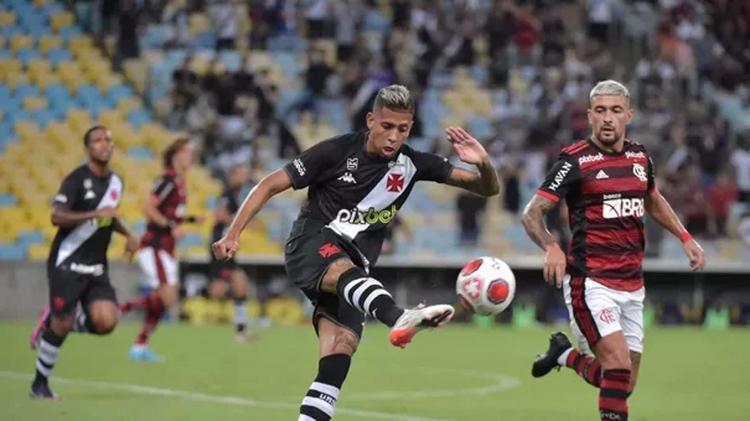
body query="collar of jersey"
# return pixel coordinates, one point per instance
(592, 143)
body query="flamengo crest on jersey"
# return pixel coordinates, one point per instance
(83, 232)
(377, 206)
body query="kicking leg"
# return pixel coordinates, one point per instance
(337, 345)
(353, 285)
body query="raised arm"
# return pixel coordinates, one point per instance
(659, 209)
(469, 150)
(271, 185)
(533, 223)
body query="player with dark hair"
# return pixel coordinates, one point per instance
(608, 184)
(165, 210)
(357, 184)
(226, 276)
(85, 210)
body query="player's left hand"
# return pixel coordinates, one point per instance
(468, 149)
(694, 252)
(131, 247)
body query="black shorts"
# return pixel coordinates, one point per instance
(310, 249)
(67, 287)
(221, 269)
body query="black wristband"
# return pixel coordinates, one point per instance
(171, 224)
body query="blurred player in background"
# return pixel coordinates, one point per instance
(608, 183)
(165, 210)
(357, 183)
(226, 276)
(85, 210)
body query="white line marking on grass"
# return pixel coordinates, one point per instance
(200, 397)
(500, 383)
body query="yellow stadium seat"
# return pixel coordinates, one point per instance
(20, 42)
(106, 79)
(79, 120)
(80, 40)
(7, 18)
(45, 79)
(40, 3)
(61, 20)
(125, 105)
(26, 129)
(34, 103)
(49, 42)
(198, 23)
(39, 252)
(15, 79)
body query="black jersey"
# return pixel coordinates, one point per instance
(85, 246)
(355, 194)
(230, 199)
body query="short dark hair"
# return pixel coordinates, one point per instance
(172, 150)
(87, 135)
(394, 97)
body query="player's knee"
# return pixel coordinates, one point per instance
(615, 360)
(217, 290)
(62, 324)
(334, 272)
(345, 342)
(105, 324)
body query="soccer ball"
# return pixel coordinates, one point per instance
(486, 286)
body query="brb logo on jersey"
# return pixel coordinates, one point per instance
(615, 206)
(368, 217)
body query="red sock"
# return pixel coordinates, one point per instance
(613, 395)
(586, 366)
(154, 310)
(140, 303)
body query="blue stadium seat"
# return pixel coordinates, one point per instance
(117, 92)
(69, 32)
(58, 55)
(24, 90)
(30, 237)
(28, 54)
(140, 152)
(12, 252)
(7, 199)
(138, 117)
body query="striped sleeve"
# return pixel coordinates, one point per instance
(560, 178)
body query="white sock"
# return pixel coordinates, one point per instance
(563, 358)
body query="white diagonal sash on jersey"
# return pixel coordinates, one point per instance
(84, 231)
(379, 197)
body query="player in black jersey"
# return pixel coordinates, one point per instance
(357, 184)
(226, 276)
(85, 210)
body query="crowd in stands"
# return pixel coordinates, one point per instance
(686, 62)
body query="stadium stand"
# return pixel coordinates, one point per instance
(516, 77)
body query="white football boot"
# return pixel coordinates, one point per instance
(415, 319)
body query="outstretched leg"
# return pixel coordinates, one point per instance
(367, 295)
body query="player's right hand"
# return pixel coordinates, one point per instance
(554, 265)
(106, 212)
(225, 248)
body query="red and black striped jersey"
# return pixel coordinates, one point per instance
(172, 197)
(605, 193)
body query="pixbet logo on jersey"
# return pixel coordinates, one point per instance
(614, 207)
(368, 217)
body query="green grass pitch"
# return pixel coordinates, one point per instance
(456, 373)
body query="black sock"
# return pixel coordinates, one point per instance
(47, 351)
(368, 296)
(320, 400)
(240, 314)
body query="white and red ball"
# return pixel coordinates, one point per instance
(486, 286)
